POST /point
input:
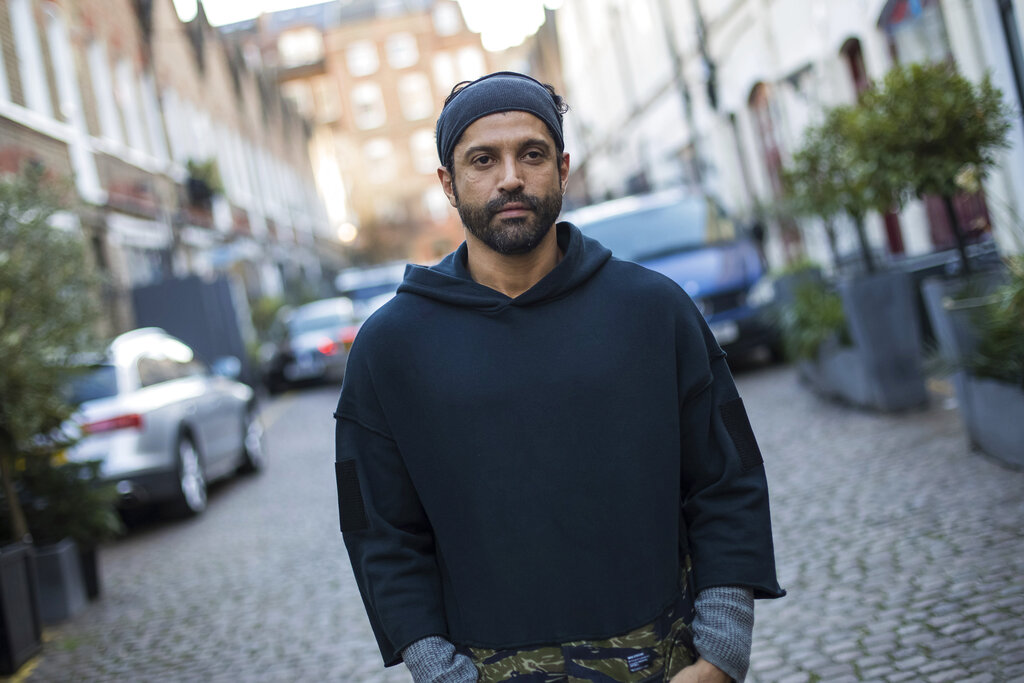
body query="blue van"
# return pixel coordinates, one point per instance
(688, 238)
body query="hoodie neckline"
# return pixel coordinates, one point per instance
(450, 281)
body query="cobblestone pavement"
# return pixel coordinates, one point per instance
(903, 554)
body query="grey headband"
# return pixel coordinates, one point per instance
(497, 92)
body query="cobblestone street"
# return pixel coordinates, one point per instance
(902, 552)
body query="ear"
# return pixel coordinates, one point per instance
(563, 171)
(447, 184)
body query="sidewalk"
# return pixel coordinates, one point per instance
(903, 552)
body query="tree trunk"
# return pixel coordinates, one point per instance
(19, 529)
(865, 248)
(830, 232)
(954, 225)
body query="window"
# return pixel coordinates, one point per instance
(917, 31)
(300, 46)
(126, 94)
(368, 106)
(154, 123)
(327, 97)
(423, 151)
(402, 50)
(471, 64)
(444, 71)
(156, 369)
(70, 106)
(379, 157)
(103, 91)
(30, 57)
(362, 58)
(447, 21)
(415, 97)
(300, 94)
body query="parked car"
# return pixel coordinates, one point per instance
(161, 423)
(310, 343)
(688, 238)
(370, 287)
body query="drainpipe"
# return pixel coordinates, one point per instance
(1013, 46)
(678, 76)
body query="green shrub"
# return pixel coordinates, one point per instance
(813, 317)
(1000, 352)
(47, 316)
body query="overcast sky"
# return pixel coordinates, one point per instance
(501, 23)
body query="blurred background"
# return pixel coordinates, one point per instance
(275, 146)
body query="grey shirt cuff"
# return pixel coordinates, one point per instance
(434, 660)
(723, 628)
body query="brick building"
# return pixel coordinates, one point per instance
(372, 75)
(120, 96)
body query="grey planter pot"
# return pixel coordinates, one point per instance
(61, 587)
(882, 369)
(991, 410)
(20, 624)
(993, 420)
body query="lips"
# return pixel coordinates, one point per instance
(513, 207)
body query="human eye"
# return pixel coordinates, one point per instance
(482, 160)
(534, 155)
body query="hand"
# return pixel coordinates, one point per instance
(702, 671)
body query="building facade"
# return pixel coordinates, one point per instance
(717, 95)
(182, 160)
(372, 75)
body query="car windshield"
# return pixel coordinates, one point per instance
(333, 321)
(648, 233)
(90, 384)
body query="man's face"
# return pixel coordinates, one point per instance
(508, 182)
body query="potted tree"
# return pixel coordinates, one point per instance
(837, 171)
(943, 133)
(68, 501)
(46, 317)
(936, 126)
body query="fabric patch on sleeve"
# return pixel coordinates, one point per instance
(734, 415)
(350, 499)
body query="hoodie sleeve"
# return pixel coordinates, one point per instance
(725, 492)
(388, 536)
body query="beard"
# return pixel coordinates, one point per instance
(515, 235)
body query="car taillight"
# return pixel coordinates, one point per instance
(348, 335)
(131, 421)
(327, 347)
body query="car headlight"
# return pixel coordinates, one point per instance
(762, 293)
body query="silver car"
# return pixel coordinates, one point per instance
(162, 424)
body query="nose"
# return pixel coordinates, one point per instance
(511, 180)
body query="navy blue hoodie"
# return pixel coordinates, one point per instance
(524, 471)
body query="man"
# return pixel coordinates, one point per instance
(542, 459)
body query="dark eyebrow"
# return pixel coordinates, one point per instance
(490, 149)
(537, 142)
(470, 151)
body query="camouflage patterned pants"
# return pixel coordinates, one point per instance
(655, 652)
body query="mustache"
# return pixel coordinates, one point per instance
(496, 205)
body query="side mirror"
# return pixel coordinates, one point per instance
(227, 366)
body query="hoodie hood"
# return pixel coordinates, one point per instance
(449, 281)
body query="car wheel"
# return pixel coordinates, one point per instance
(191, 498)
(253, 453)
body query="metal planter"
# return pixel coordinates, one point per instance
(61, 587)
(20, 623)
(882, 369)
